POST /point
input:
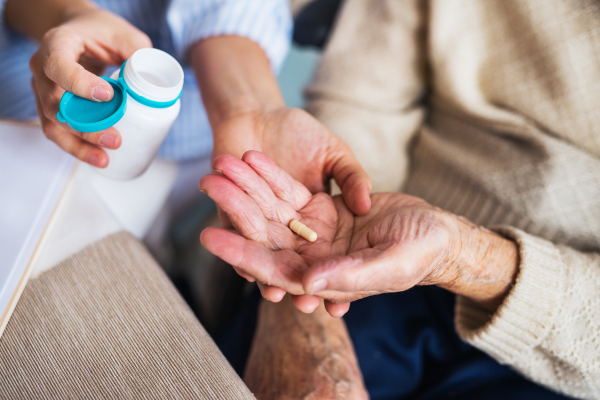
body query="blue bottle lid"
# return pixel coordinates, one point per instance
(90, 116)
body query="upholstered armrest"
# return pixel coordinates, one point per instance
(108, 323)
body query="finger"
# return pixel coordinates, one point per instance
(360, 274)
(71, 143)
(336, 310)
(59, 62)
(271, 293)
(255, 187)
(353, 181)
(130, 41)
(109, 138)
(50, 95)
(276, 268)
(243, 213)
(281, 183)
(306, 304)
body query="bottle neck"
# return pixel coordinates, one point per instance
(154, 75)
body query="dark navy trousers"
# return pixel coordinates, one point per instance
(407, 349)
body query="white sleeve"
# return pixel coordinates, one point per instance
(266, 22)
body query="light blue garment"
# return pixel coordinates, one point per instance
(172, 25)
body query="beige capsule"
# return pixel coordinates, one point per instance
(303, 230)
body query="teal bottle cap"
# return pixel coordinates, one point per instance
(90, 116)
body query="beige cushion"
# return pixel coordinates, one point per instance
(107, 323)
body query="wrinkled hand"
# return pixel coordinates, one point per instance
(303, 147)
(401, 243)
(69, 59)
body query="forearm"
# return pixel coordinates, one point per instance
(33, 18)
(319, 346)
(235, 77)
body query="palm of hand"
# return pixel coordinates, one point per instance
(260, 199)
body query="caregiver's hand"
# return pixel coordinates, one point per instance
(78, 40)
(247, 112)
(301, 146)
(401, 243)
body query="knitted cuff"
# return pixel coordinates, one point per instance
(527, 313)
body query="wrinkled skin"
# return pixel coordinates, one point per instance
(298, 356)
(402, 242)
(302, 146)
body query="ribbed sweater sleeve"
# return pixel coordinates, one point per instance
(547, 328)
(367, 87)
(510, 139)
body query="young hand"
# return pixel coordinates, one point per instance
(70, 58)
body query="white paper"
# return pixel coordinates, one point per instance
(33, 175)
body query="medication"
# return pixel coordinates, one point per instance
(302, 230)
(145, 105)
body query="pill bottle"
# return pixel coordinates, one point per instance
(146, 102)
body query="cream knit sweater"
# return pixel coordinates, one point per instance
(489, 109)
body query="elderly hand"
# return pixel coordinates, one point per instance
(402, 242)
(69, 57)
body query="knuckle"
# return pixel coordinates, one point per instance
(79, 152)
(281, 212)
(90, 137)
(48, 63)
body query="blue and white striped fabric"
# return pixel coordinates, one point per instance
(172, 25)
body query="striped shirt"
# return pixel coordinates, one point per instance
(172, 25)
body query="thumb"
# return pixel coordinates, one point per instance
(63, 50)
(356, 275)
(353, 181)
(63, 68)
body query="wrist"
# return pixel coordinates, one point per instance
(235, 78)
(240, 107)
(484, 267)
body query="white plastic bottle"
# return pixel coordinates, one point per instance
(146, 103)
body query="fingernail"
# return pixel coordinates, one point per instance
(100, 93)
(107, 140)
(318, 286)
(203, 191)
(94, 160)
